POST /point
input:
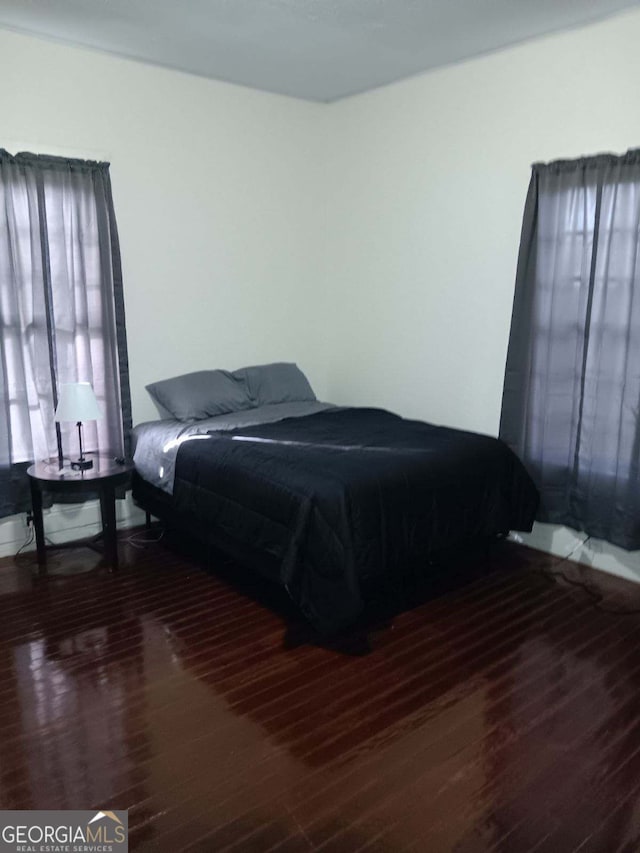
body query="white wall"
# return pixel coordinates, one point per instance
(373, 240)
(430, 177)
(219, 196)
(217, 192)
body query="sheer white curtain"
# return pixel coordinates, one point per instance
(571, 404)
(61, 310)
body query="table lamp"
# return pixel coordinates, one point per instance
(77, 402)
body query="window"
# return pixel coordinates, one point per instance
(572, 384)
(61, 308)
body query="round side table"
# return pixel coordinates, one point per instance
(104, 478)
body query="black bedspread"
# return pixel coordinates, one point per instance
(348, 495)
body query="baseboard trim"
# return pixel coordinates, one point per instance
(66, 522)
(570, 545)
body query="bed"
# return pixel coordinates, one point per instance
(324, 500)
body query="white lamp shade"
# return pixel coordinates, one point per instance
(77, 402)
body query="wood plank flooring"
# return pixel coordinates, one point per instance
(500, 712)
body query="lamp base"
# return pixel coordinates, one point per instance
(82, 464)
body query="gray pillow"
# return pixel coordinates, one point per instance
(275, 383)
(203, 394)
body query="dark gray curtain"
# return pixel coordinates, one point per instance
(571, 403)
(61, 311)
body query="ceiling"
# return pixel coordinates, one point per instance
(321, 50)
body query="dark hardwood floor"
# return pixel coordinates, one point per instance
(501, 712)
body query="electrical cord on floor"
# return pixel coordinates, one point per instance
(141, 541)
(20, 557)
(594, 595)
(28, 541)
